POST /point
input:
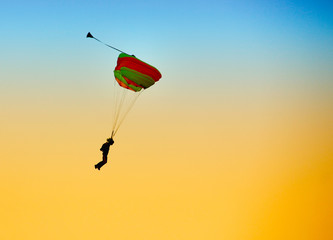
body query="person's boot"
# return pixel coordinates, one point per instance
(99, 165)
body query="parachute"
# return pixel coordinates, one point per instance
(133, 77)
(134, 74)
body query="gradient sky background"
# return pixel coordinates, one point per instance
(234, 142)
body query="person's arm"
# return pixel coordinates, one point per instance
(102, 147)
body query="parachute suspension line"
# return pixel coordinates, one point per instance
(89, 35)
(115, 105)
(130, 106)
(118, 107)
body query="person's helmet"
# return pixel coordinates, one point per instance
(110, 140)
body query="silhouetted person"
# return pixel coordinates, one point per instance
(105, 149)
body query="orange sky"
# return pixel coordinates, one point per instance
(248, 167)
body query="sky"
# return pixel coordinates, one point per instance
(234, 142)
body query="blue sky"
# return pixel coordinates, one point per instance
(197, 37)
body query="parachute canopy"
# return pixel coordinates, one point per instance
(134, 74)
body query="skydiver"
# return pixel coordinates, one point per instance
(105, 149)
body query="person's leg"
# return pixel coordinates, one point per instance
(101, 163)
